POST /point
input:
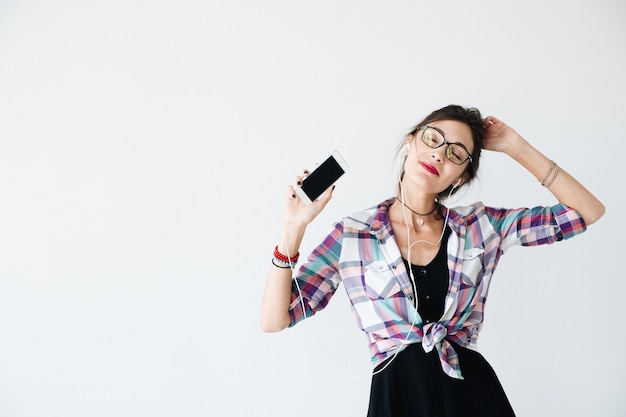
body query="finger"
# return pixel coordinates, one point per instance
(291, 193)
(326, 195)
(491, 120)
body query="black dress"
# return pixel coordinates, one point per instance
(414, 383)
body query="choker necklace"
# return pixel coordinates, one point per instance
(420, 220)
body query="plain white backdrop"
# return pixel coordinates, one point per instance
(145, 148)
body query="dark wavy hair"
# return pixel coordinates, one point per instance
(471, 117)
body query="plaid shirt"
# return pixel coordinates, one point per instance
(361, 253)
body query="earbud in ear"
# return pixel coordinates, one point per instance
(457, 183)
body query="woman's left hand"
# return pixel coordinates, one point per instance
(499, 137)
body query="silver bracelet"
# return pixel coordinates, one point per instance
(556, 172)
(552, 165)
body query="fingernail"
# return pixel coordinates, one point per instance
(299, 183)
(333, 188)
(293, 196)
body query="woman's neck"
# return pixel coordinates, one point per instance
(403, 212)
(422, 203)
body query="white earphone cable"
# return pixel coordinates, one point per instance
(408, 334)
(293, 270)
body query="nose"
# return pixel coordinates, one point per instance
(438, 154)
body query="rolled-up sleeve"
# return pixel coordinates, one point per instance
(317, 279)
(570, 222)
(536, 226)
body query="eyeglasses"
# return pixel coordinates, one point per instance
(456, 152)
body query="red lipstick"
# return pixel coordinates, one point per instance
(429, 168)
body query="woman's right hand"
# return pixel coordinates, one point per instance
(297, 212)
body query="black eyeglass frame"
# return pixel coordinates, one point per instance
(445, 142)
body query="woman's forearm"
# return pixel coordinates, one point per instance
(277, 294)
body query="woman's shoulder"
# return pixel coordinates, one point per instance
(475, 213)
(370, 217)
(468, 210)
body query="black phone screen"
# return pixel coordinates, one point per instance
(321, 178)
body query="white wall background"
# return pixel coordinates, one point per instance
(145, 147)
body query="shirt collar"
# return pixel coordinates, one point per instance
(377, 219)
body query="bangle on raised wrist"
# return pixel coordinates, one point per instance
(277, 263)
(284, 258)
(543, 180)
(551, 180)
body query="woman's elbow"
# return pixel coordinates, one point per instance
(594, 215)
(273, 326)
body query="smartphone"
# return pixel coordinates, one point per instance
(322, 177)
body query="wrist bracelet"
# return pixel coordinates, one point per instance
(552, 165)
(284, 258)
(556, 172)
(277, 263)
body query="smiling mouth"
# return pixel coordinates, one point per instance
(430, 169)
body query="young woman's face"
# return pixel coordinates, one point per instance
(435, 169)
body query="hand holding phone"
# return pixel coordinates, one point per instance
(322, 177)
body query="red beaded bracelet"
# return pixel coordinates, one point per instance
(284, 258)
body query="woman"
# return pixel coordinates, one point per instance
(417, 273)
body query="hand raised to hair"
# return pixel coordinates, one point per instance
(297, 212)
(499, 137)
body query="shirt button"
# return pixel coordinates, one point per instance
(422, 272)
(428, 297)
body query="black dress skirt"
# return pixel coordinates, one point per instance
(414, 384)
